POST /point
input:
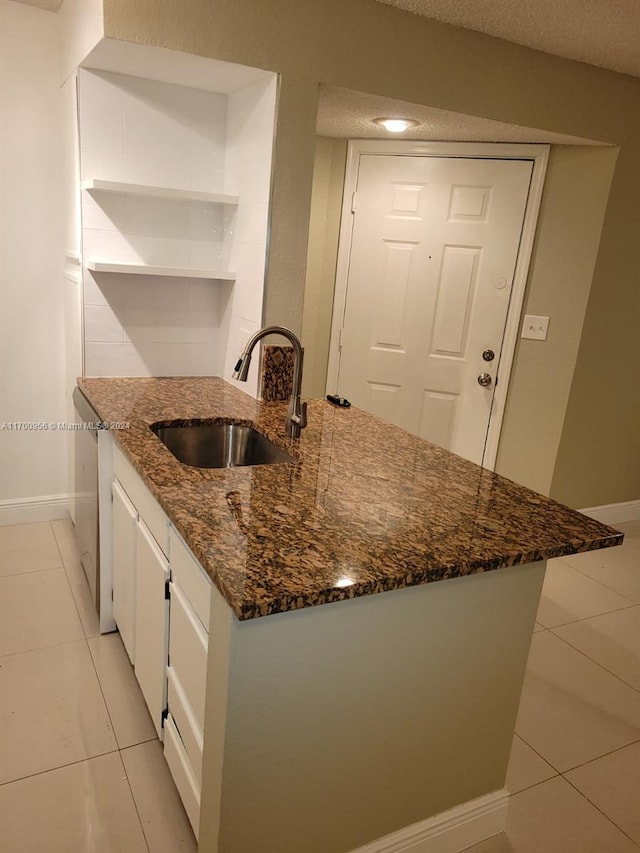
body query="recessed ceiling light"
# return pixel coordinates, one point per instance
(395, 125)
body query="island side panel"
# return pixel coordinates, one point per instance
(352, 720)
(222, 624)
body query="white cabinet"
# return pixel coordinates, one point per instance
(161, 598)
(190, 599)
(152, 623)
(140, 543)
(125, 522)
(182, 773)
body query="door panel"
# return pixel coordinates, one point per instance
(437, 417)
(125, 520)
(152, 623)
(434, 247)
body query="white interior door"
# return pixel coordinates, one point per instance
(433, 253)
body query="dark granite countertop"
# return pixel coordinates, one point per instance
(366, 508)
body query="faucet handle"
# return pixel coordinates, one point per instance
(241, 370)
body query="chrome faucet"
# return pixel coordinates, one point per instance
(296, 419)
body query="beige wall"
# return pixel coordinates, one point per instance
(324, 231)
(371, 47)
(599, 455)
(560, 275)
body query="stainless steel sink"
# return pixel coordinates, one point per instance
(218, 445)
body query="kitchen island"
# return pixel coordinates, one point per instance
(328, 727)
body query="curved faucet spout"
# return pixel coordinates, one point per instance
(296, 419)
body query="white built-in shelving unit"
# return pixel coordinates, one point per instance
(174, 172)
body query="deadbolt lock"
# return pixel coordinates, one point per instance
(488, 355)
(484, 379)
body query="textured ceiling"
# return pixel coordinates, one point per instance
(49, 5)
(348, 114)
(599, 32)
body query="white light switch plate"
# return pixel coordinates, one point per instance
(535, 328)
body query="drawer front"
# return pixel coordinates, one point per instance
(182, 773)
(182, 714)
(191, 577)
(188, 647)
(147, 506)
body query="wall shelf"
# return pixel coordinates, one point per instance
(159, 192)
(167, 272)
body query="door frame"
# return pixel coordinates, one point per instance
(539, 155)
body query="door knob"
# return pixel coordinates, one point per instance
(484, 379)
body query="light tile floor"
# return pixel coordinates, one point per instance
(81, 769)
(574, 774)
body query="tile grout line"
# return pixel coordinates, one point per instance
(66, 574)
(104, 698)
(586, 575)
(595, 663)
(119, 749)
(540, 755)
(598, 757)
(133, 799)
(86, 640)
(556, 775)
(562, 775)
(593, 616)
(82, 639)
(602, 666)
(102, 693)
(598, 809)
(43, 648)
(30, 572)
(57, 767)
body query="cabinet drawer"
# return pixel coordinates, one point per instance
(194, 583)
(147, 506)
(181, 712)
(182, 773)
(188, 647)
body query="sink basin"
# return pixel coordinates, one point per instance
(218, 445)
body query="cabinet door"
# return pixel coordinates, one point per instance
(152, 623)
(124, 520)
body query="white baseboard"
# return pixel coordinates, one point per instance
(450, 831)
(42, 508)
(614, 513)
